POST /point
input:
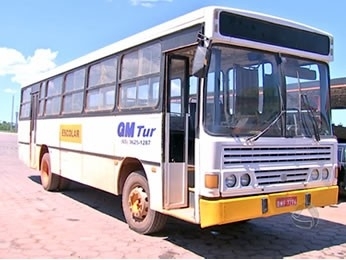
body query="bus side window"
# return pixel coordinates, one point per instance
(73, 92)
(100, 92)
(54, 91)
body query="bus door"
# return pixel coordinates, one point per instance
(176, 134)
(33, 127)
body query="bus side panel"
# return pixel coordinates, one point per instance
(140, 136)
(71, 146)
(23, 138)
(98, 135)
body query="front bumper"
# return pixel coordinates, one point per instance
(223, 211)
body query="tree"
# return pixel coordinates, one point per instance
(6, 127)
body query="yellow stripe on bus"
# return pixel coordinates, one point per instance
(71, 133)
(223, 211)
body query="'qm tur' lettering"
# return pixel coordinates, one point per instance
(133, 134)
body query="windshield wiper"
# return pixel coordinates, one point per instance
(255, 137)
(279, 61)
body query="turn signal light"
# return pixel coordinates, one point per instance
(211, 181)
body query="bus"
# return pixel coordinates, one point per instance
(208, 118)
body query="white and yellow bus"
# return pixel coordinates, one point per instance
(218, 116)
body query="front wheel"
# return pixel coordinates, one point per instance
(136, 206)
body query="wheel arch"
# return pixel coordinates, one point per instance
(44, 149)
(128, 165)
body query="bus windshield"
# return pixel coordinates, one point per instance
(254, 92)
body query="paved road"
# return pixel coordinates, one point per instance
(87, 223)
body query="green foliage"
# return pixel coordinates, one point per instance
(6, 127)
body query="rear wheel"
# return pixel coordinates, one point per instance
(136, 206)
(49, 181)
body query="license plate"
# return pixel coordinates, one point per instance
(286, 202)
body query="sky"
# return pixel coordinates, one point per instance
(38, 35)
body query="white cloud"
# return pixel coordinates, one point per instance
(20, 68)
(10, 91)
(148, 3)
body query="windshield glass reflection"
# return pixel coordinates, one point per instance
(253, 93)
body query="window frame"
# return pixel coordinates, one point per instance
(25, 102)
(73, 91)
(138, 75)
(101, 86)
(54, 96)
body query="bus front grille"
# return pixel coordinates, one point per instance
(285, 155)
(281, 176)
(277, 165)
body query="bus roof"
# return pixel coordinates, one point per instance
(185, 21)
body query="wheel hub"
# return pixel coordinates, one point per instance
(138, 203)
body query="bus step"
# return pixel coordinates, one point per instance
(187, 214)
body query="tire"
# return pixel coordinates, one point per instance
(136, 206)
(342, 182)
(49, 181)
(342, 190)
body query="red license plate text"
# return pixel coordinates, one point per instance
(286, 202)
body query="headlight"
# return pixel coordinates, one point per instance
(314, 174)
(245, 179)
(325, 174)
(230, 181)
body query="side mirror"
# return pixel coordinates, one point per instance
(200, 62)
